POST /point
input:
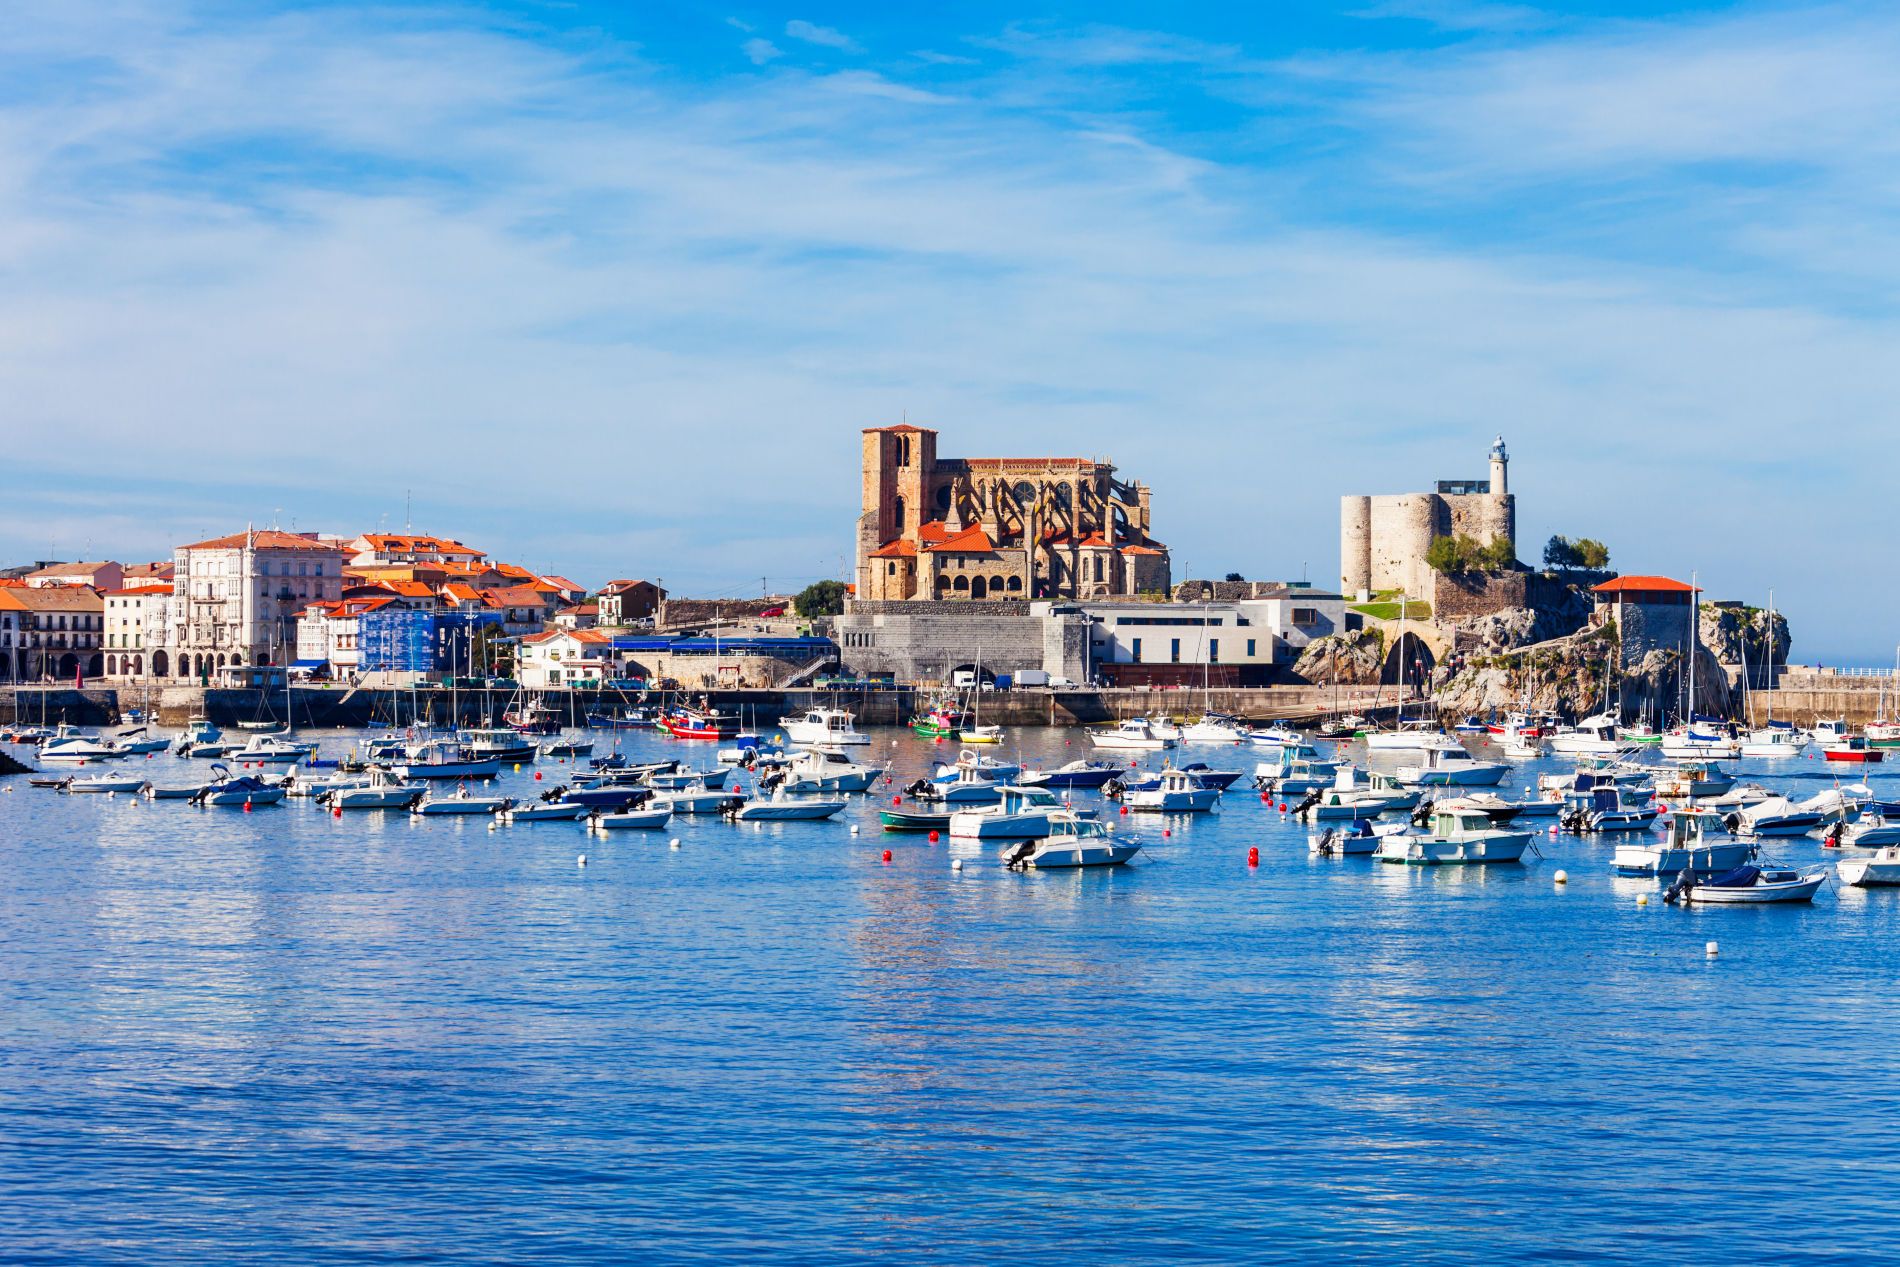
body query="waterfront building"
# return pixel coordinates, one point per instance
(998, 529)
(523, 609)
(569, 591)
(387, 549)
(236, 599)
(100, 576)
(565, 657)
(578, 616)
(397, 644)
(139, 575)
(628, 601)
(52, 633)
(1652, 613)
(932, 642)
(136, 620)
(1383, 540)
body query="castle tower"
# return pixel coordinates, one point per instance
(1355, 545)
(1500, 469)
(897, 465)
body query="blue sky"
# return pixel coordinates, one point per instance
(610, 288)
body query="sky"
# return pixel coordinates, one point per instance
(611, 288)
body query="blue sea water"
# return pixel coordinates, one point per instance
(285, 1037)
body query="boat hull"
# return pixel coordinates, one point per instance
(449, 770)
(1666, 860)
(1425, 851)
(786, 811)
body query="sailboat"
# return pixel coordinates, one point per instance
(1772, 738)
(976, 731)
(1881, 732)
(1698, 737)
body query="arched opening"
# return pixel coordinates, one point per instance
(897, 516)
(979, 588)
(161, 665)
(961, 583)
(219, 663)
(95, 665)
(943, 585)
(112, 666)
(1015, 584)
(68, 666)
(1409, 661)
(138, 666)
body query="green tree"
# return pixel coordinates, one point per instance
(1592, 554)
(1235, 576)
(1560, 553)
(820, 598)
(1498, 555)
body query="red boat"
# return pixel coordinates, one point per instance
(1852, 748)
(697, 724)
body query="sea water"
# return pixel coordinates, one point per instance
(283, 1036)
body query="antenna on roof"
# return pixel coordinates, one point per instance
(406, 525)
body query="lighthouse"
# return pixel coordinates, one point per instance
(1500, 468)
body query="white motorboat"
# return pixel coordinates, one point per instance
(102, 783)
(198, 731)
(1592, 737)
(1829, 730)
(1348, 798)
(1518, 748)
(824, 770)
(1495, 807)
(71, 744)
(172, 792)
(270, 750)
(1882, 867)
(1019, 813)
(1291, 761)
(1776, 816)
(445, 759)
(544, 812)
(824, 727)
(1453, 767)
(1072, 841)
(1362, 836)
(1695, 840)
(983, 766)
(784, 809)
(1776, 739)
(700, 802)
(1874, 831)
(500, 743)
(462, 801)
(137, 741)
(1275, 736)
(1748, 885)
(1134, 734)
(1455, 837)
(1176, 792)
(379, 789)
(646, 819)
(1216, 728)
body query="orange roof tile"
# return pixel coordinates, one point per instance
(1140, 550)
(1642, 585)
(263, 539)
(898, 549)
(972, 540)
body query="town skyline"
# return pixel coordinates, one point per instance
(290, 264)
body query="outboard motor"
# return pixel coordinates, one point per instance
(1733, 821)
(1421, 813)
(554, 794)
(1831, 838)
(1328, 843)
(1685, 880)
(1017, 856)
(770, 780)
(921, 788)
(1312, 799)
(1114, 789)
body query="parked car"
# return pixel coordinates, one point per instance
(771, 613)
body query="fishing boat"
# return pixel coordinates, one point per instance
(499, 743)
(1176, 792)
(824, 770)
(1075, 774)
(445, 759)
(1693, 840)
(1461, 837)
(700, 723)
(1776, 739)
(1641, 735)
(785, 809)
(1882, 867)
(1072, 841)
(825, 728)
(461, 801)
(1748, 885)
(1136, 734)
(1852, 749)
(625, 719)
(1609, 809)
(532, 717)
(1019, 813)
(1453, 767)
(1361, 836)
(941, 719)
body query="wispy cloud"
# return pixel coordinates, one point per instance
(760, 51)
(824, 36)
(1459, 15)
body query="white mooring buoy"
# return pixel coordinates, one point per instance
(1712, 950)
(1562, 877)
(581, 861)
(956, 864)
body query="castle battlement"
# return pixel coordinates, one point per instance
(1383, 540)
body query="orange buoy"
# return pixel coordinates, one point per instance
(1253, 856)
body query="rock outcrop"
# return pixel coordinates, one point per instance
(1517, 627)
(1575, 677)
(1745, 635)
(1350, 659)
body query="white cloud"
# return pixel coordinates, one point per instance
(761, 51)
(1459, 15)
(824, 36)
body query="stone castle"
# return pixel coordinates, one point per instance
(966, 529)
(1383, 540)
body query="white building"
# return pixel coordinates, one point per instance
(100, 576)
(330, 633)
(136, 623)
(236, 599)
(1171, 644)
(565, 658)
(392, 548)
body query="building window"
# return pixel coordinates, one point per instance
(1213, 650)
(1250, 650)
(1174, 651)
(1135, 650)
(1306, 615)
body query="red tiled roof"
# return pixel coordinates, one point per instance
(263, 539)
(462, 593)
(1140, 550)
(972, 540)
(898, 549)
(1642, 585)
(412, 544)
(73, 569)
(562, 583)
(141, 589)
(931, 530)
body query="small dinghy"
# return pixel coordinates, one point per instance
(154, 792)
(463, 802)
(568, 748)
(102, 783)
(1361, 836)
(544, 812)
(1750, 884)
(913, 820)
(633, 819)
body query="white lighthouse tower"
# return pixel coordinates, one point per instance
(1500, 469)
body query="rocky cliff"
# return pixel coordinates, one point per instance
(1745, 635)
(1574, 677)
(1350, 659)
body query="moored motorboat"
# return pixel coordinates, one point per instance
(1076, 774)
(1881, 867)
(377, 789)
(785, 809)
(1072, 841)
(1136, 734)
(1749, 884)
(461, 801)
(1453, 767)
(1693, 840)
(1019, 813)
(1456, 837)
(823, 727)
(913, 820)
(543, 812)
(823, 770)
(95, 783)
(498, 743)
(1175, 792)
(246, 790)
(1360, 836)
(445, 759)
(647, 819)
(1852, 749)
(1776, 816)
(698, 802)
(568, 748)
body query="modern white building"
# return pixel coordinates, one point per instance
(1233, 643)
(565, 657)
(236, 599)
